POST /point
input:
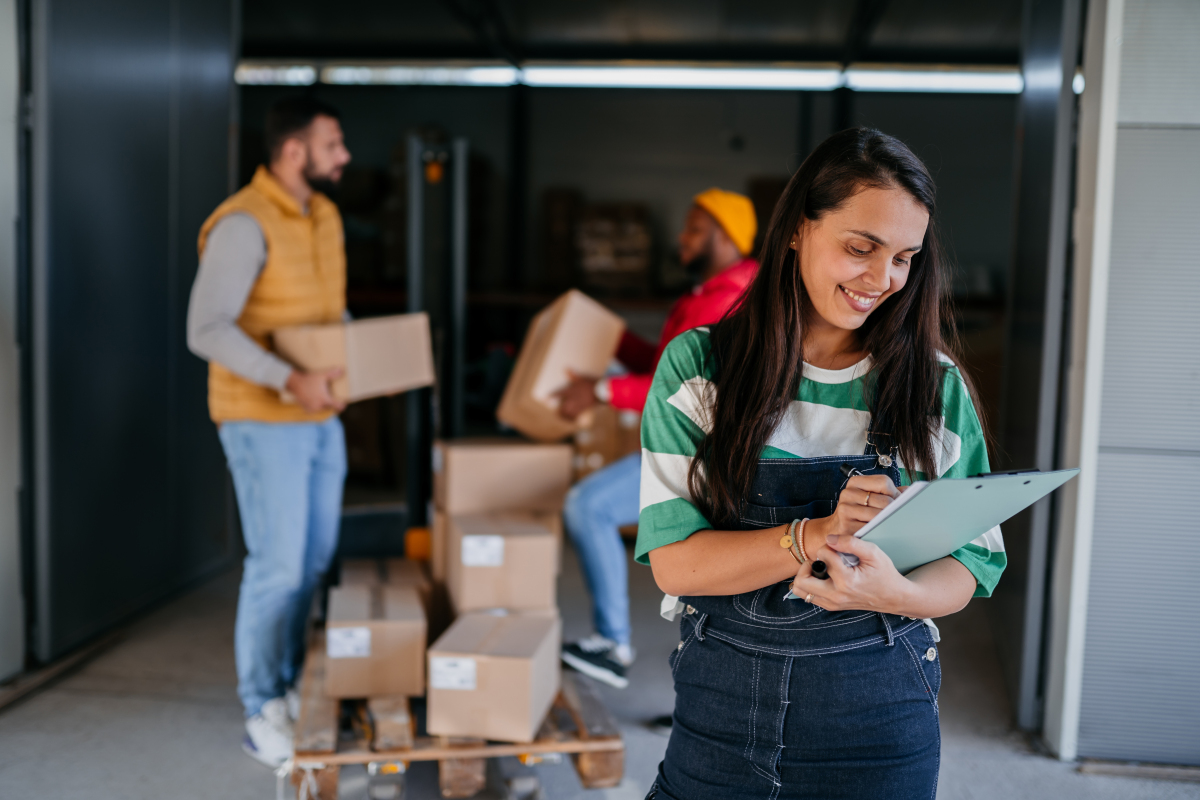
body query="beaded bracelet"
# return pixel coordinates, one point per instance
(800, 541)
(795, 543)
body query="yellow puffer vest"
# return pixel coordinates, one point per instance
(302, 283)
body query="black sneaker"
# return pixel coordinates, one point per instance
(599, 658)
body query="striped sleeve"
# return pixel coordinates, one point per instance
(964, 453)
(673, 424)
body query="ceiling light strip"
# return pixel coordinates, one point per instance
(783, 78)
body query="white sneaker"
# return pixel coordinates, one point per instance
(292, 698)
(269, 734)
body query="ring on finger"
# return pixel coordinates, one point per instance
(809, 598)
(867, 502)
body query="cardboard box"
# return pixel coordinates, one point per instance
(472, 476)
(494, 677)
(505, 560)
(390, 571)
(374, 641)
(360, 572)
(381, 356)
(605, 435)
(440, 527)
(574, 334)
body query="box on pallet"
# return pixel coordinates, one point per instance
(494, 676)
(403, 572)
(574, 334)
(504, 560)
(605, 435)
(473, 476)
(440, 526)
(380, 356)
(375, 638)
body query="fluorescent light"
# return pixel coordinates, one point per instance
(682, 77)
(420, 75)
(273, 75)
(660, 75)
(969, 81)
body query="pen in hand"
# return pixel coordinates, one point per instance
(819, 570)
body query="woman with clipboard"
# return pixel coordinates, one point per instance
(835, 356)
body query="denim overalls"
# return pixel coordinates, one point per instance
(777, 698)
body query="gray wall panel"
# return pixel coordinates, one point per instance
(1160, 62)
(133, 134)
(1152, 361)
(1139, 699)
(12, 610)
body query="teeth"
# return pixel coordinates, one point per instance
(860, 298)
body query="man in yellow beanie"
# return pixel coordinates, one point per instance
(714, 247)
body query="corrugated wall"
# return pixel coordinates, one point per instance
(131, 114)
(1139, 697)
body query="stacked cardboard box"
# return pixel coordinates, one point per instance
(485, 476)
(376, 629)
(494, 676)
(605, 435)
(497, 536)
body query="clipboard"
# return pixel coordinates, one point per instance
(932, 519)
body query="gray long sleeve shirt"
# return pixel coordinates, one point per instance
(234, 256)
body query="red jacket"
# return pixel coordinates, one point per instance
(706, 304)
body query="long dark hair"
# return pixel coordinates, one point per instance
(757, 347)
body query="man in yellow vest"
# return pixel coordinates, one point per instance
(272, 256)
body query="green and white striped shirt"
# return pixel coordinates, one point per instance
(828, 417)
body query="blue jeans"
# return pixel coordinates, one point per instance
(288, 478)
(595, 508)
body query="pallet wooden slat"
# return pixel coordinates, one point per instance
(317, 728)
(578, 724)
(462, 777)
(598, 769)
(394, 726)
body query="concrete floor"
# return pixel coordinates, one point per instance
(156, 717)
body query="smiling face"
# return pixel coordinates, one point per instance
(857, 256)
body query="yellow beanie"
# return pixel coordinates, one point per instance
(734, 213)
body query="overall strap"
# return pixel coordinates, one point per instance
(880, 442)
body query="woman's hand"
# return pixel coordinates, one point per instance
(874, 585)
(863, 498)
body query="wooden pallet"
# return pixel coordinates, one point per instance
(384, 734)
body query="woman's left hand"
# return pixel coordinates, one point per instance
(874, 585)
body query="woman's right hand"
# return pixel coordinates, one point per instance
(863, 498)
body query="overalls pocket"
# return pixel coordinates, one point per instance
(925, 659)
(676, 656)
(756, 516)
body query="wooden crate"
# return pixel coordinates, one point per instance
(383, 733)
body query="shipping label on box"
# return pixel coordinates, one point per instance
(483, 551)
(448, 672)
(348, 643)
